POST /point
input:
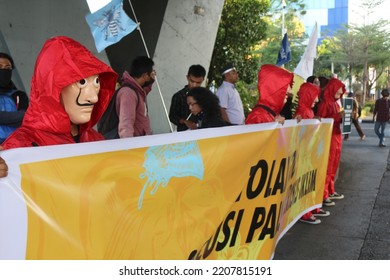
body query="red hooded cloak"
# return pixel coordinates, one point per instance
(307, 93)
(272, 85)
(61, 62)
(330, 108)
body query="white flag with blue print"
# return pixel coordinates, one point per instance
(110, 24)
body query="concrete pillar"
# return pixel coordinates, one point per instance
(187, 37)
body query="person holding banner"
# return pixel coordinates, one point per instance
(70, 90)
(329, 107)
(3, 167)
(274, 86)
(308, 96)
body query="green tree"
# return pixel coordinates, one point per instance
(246, 28)
(269, 48)
(241, 27)
(355, 51)
(358, 49)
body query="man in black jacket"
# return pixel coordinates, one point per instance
(179, 113)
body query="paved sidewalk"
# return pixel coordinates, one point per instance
(359, 225)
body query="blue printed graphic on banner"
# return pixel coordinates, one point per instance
(165, 162)
(109, 24)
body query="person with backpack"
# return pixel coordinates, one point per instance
(130, 117)
(13, 102)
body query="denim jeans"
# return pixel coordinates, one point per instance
(380, 131)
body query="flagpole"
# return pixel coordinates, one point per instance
(147, 53)
(283, 7)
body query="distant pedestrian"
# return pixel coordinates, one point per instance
(381, 111)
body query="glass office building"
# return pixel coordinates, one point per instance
(330, 16)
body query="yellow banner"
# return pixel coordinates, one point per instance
(225, 196)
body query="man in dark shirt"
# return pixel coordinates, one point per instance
(179, 113)
(381, 111)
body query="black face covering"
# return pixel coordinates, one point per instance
(5, 77)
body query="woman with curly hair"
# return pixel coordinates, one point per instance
(205, 106)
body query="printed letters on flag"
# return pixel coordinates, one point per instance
(110, 24)
(284, 55)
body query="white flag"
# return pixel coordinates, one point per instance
(305, 66)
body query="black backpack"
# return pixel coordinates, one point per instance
(108, 123)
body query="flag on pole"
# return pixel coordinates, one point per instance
(306, 65)
(284, 55)
(109, 24)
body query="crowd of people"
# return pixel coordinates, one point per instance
(71, 89)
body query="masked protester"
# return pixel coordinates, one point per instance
(70, 91)
(308, 97)
(329, 107)
(275, 86)
(13, 102)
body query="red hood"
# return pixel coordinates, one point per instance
(307, 93)
(61, 62)
(272, 85)
(331, 88)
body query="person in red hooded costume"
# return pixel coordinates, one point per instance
(329, 107)
(64, 65)
(70, 90)
(274, 85)
(308, 96)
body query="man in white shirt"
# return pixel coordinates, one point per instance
(232, 110)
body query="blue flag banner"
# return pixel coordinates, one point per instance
(110, 24)
(284, 55)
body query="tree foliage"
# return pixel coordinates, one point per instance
(241, 27)
(250, 31)
(358, 53)
(269, 48)
(355, 50)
